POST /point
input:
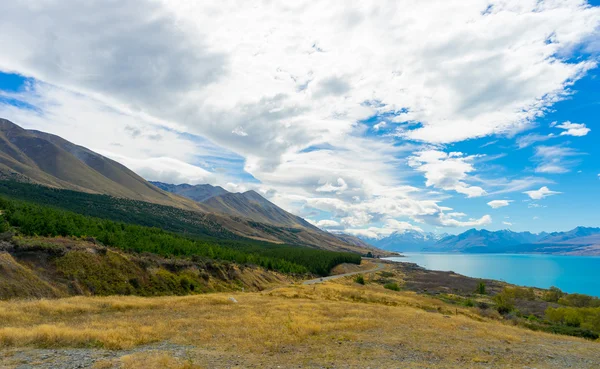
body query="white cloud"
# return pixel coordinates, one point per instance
(239, 131)
(328, 187)
(296, 77)
(379, 126)
(165, 169)
(573, 129)
(390, 227)
(541, 193)
(446, 171)
(507, 223)
(530, 139)
(450, 220)
(495, 204)
(554, 159)
(325, 223)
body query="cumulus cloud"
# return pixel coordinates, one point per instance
(543, 192)
(454, 220)
(446, 171)
(287, 92)
(391, 226)
(326, 223)
(328, 187)
(573, 129)
(495, 204)
(165, 169)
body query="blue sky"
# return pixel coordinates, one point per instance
(469, 114)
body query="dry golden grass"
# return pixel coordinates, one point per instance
(350, 268)
(147, 360)
(322, 325)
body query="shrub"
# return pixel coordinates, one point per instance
(359, 279)
(553, 294)
(392, 286)
(469, 303)
(505, 300)
(483, 305)
(587, 318)
(480, 288)
(579, 300)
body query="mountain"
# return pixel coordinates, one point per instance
(484, 241)
(406, 241)
(252, 215)
(253, 206)
(570, 236)
(250, 204)
(49, 160)
(39, 158)
(353, 240)
(198, 193)
(578, 241)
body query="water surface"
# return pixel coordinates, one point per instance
(574, 274)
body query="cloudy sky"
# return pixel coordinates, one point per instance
(367, 117)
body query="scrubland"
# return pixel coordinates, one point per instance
(338, 324)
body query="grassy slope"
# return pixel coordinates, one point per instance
(253, 206)
(60, 267)
(337, 324)
(170, 218)
(52, 161)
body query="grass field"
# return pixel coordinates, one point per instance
(336, 324)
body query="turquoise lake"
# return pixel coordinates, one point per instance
(574, 274)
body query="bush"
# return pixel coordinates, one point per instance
(587, 318)
(392, 286)
(480, 288)
(571, 331)
(359, 279)
(483, 305)
(579, 300)
(469, 303)
(553, 294)
(505, 300)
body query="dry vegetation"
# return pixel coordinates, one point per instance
(351, 268)
(336, 324)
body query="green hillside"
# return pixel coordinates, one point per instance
(36, 220)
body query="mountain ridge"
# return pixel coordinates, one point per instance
(35, 157)
(578, 241)
(55, 162)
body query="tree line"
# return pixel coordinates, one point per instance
(40, 220)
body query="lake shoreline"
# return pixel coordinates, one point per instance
(570, 273)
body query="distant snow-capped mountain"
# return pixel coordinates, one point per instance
(406, 241)
(475, 241)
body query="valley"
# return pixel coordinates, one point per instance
(293, 325)
(194, 276)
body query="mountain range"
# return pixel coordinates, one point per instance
(578, 241)
(41, 158)
(407, 241)
(45, 159)
(249, 204)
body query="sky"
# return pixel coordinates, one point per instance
(363, 117)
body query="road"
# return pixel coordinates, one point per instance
(380, 266)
